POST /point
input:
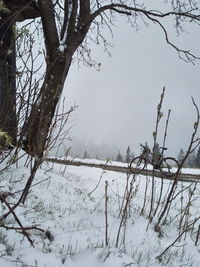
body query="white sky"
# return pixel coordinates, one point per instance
(118, 103)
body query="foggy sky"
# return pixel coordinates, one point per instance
(117, 104)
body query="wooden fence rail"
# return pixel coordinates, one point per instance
(182, 176)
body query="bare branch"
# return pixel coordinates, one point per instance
(124, 8)
(188, 56)
(154, 15)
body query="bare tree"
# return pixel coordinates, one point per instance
(68, 27)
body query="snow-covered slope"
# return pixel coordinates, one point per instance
(70, 203)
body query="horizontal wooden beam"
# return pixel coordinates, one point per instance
(182, 176)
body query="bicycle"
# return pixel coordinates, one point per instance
(164, 165)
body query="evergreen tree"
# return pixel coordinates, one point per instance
(191, 160)
(181, 155)
(132, 156)
(119, 157)
(128, 155)
(197, 159)
(85, 156)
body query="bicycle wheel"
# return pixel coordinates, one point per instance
(137, 164)
(169, 166)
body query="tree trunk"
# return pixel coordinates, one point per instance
(36, 128)
(11, 12)
(8, 121)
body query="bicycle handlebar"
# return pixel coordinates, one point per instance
(163, 148)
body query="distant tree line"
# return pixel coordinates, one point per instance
(192, 161)
(127, 157)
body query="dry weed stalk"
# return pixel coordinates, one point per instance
(124, 211)
(21, 228)
(194, 142)
(106, 213)
(155, 134)
(190, 224)
(197, 236)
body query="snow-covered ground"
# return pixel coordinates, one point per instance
(70, 203)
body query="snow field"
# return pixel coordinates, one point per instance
(71, 205)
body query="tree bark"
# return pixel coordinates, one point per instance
(36, 128)
(14, 10)
(8, 121)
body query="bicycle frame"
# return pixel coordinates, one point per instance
(149, 156)
(158, 161)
